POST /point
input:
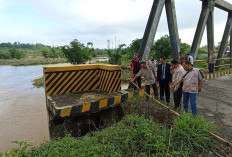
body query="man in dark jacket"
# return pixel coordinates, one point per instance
(164, 78)
(135, 67)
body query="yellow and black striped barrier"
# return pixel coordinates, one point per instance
(91, 107)
(65, 79)
(218, 74)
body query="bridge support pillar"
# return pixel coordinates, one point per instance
(210, 33)
(200, 28)
(225, 37)
(231, 49)
(173, 28)
(151, 28)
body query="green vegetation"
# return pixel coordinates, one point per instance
(38, 82)
(29, 54)
(162, 47)
(11, 53)
(32, 61)
(115, 56)
(77, 53)
(185, 48)
(51, 52)
(133, 136)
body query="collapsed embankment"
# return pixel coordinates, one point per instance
(146, 130)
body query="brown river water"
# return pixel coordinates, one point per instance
(23, 114)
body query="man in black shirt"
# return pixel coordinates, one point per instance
(164, 78)
(135, 67)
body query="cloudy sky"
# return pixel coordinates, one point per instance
(57, 22)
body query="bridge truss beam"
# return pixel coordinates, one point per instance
(210, 33)
(231, 49)
(173, 28)
(221, 4)
(200, 28)
(151, 28)
(224, 41)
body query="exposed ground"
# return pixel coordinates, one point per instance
(73, 99)
(215, 103)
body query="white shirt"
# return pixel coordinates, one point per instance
(176, 75)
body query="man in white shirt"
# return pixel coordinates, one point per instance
(177, 70)
(190, 59)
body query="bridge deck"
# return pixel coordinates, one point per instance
(215, 103)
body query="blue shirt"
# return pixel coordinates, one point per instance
(163, 70)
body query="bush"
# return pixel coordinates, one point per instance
(50, 53)
(5, 54)
(17, 54)
(114, 57)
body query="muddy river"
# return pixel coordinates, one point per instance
(23, 114)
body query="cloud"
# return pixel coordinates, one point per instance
(57, 22)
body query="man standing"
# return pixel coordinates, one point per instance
(164, 77)
(135, 67)
(149, 77)
(192, 83)
(152, 63)
(211, 61)
(190, 58)
(177, 71)
(181, 58)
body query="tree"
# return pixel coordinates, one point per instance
(89, 44)
(185, 48)
(203, 49)
(162, 47)
(76, 53)
(134, 47)
(116, 55)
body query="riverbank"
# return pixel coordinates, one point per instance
(133, 136)
(32, 61)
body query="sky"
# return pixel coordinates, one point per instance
(58, 22)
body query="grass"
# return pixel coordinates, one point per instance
(38, 82)
(32, 61)
(133, 136)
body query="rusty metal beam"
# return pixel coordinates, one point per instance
(151, 28)
(173, 28)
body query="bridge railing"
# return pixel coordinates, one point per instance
(204, 67)
(221, 65)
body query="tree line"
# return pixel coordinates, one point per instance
(78, 53)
